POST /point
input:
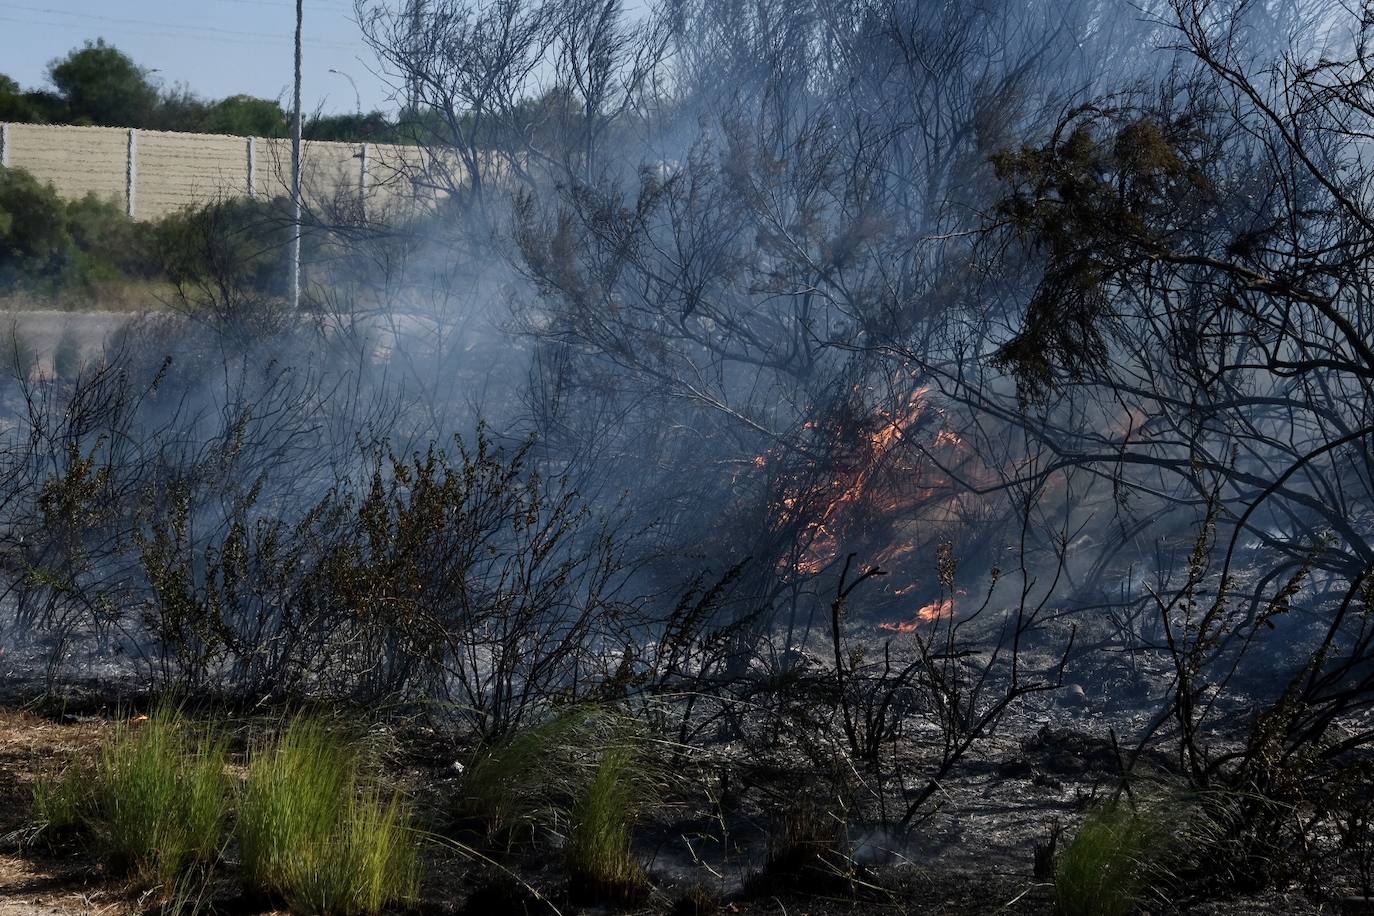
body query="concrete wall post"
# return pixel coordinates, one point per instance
(252, 167)
(131, 174)
(362, 179)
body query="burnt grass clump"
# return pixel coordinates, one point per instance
(807, 855)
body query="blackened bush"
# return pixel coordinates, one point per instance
(458, 575)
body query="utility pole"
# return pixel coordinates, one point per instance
(417, 13)
(296, 174)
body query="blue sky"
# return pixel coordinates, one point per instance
(216, 47)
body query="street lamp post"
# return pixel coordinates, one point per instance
(357, 99)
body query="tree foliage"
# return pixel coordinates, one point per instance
(102, 85)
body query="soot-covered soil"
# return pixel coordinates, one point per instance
(974, 854)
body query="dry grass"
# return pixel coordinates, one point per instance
(129, 296)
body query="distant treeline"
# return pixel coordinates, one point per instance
(100, 85)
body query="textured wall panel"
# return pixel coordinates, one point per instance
(178, 169)
(75, 160)
(330, 173)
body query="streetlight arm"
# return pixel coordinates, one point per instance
(357, 99)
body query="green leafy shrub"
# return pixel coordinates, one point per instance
(229, 262)
(48, 245)
(111, 247)
(35, 244)
(314, 831)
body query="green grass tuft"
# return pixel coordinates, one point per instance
(1104, 870)
(600, 865)
(63, 801)
(588, 771)
(511, 786)
(314, 831)
(161, 797)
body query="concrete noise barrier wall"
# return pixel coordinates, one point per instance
(152, 173)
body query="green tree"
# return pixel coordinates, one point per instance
(181, 109)
(246, 116)
(102, 85)
(373, 126)
(44, 107)
(14, 104)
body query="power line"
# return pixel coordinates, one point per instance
(319, 4)
(189, 30)
(180, 36)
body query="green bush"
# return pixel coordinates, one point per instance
(1106, 867)
(35, 244)
(48, 245)
(229, 262)
(314, 831)
(110, 246)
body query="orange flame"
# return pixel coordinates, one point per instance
(936, 610)
(878, 492)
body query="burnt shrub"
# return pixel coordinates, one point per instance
(697, 900)
(808, 854)
(457, 575)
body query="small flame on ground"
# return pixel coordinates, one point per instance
(936, 610)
